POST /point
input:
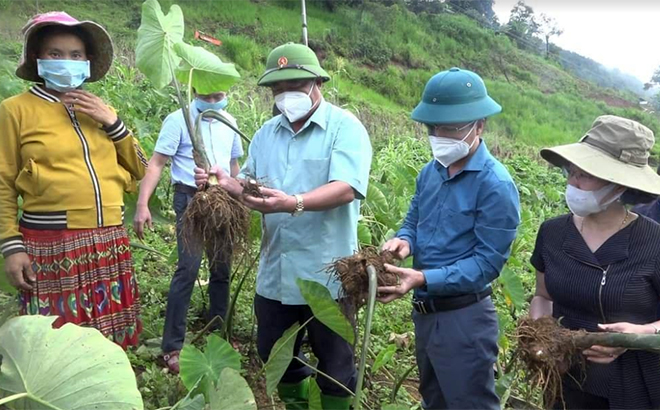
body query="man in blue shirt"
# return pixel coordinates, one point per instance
(315, 158)
(223, 147)
(459, 229)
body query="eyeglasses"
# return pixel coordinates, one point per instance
(442, 129)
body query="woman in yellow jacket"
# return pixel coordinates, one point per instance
(70, 158)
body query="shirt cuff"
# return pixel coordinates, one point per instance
(11, 246)
(116, 131)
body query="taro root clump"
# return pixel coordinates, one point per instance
(352, 273)
(547, 351)
(216, 222)
(252, 187)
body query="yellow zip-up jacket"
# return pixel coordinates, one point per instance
(70, 172)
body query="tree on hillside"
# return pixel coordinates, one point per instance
(425, 6)
(522, 26)
(549, 28)
(479, 9)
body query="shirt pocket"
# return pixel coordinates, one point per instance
(30, 180)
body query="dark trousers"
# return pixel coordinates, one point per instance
(456, 351)
(335, 355)
(183, 283)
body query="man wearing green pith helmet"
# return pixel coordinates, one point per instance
(316, 159)
(459, 229)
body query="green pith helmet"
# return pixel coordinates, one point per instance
(454, 96)
(292, 61)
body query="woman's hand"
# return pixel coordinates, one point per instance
(605, 355)
(19, 271)
(87, 103)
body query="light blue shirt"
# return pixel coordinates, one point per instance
(331, 146)
(460, 229)
(222, 144)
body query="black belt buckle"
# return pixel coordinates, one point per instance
(420, 307)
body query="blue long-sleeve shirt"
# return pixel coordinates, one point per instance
(460, 229)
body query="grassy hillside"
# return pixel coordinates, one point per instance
(380, 57)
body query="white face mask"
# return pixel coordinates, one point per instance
(294, 105)
(584, 203)
(449, 150)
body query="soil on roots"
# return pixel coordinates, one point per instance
(352, 273)
(252, 187)
(215, 221)
(547, 350)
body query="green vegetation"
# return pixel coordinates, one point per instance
(380, 57)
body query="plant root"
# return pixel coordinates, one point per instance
(216, 222)
(352, 273)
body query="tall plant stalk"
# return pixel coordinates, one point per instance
(371, 303)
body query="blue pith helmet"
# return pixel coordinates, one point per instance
(454, 96)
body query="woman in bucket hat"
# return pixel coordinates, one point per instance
(70, 158)
(598, 268)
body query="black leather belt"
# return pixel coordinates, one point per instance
(185, 189)
(432, 305)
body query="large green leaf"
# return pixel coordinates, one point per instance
(209, 73)
(512, 287)
(232, 392)
(196, 403)
(326, 309)
(71, 368)
(314, 395)
(280, 357)
(364, 234)
(157, 35)
(217, 356)
(375, 197)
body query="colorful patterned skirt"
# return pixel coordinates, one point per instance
(84, 276)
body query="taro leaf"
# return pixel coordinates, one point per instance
(4, 282)
(280, 358)
(384, 357)
(326, 309)
(232, 392)
(376, 198)
(218, 355)
(72, 368)
(155, 42)
(314, 396)
(513, 288)
(364, 234)
(210, 74)
(196, 403)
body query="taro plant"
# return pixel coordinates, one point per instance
(213, 219)
(213, 377)
(326, 310)
(68, 368)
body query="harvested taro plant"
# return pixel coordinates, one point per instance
(352, 272)
(213, 219)
(548, 351)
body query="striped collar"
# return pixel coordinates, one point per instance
(40, 91)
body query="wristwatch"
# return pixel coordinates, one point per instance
(300, 207)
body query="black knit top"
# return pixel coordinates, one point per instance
(620, 282)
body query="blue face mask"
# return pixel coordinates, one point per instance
(202, 105)
(63, 75)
